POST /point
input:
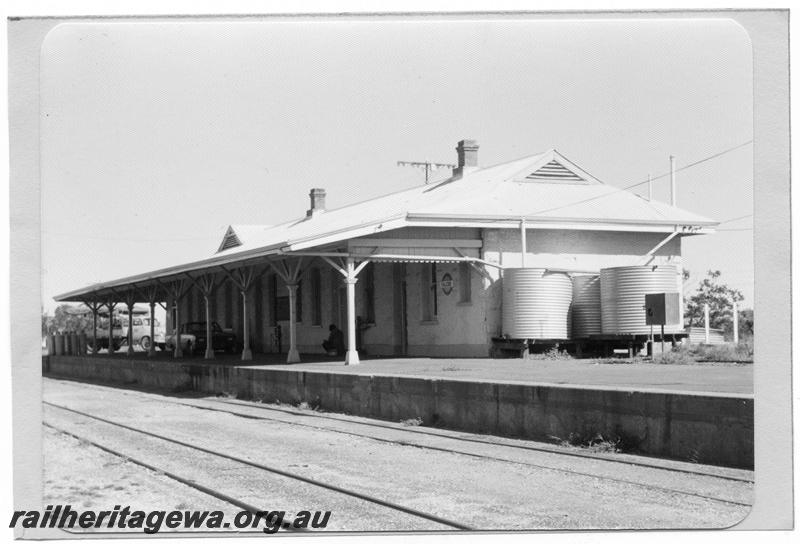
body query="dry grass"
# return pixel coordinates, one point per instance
(592, 442)
(685, 354)
(739, 353)
(412, 422)
(674, 357)
(552, 354)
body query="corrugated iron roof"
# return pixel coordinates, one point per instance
(547, 190)
(499, 193)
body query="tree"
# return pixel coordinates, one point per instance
(745, 325)
(720, 299)
(67, 318)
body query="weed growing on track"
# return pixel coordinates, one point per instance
(412, 422)
(314, 405)
(594, 443)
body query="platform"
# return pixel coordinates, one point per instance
(463, 394)
(713, 378)
(725, 378)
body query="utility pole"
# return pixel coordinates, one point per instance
(673, 189)
(428, 166)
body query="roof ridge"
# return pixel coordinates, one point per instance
(412, 188)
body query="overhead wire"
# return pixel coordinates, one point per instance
(649, 180)
(736, 219)
(614, 191)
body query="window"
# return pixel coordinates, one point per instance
(369, 293)
(316, 297)
(282, 308)
(465, 283)
(430, 305)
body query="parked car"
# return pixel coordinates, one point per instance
(188, 341)
(119, 335)
(161, 339)
(221, 340)
(141, 332)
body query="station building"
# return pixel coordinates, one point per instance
(412, 273)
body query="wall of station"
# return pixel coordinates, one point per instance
(418, 309)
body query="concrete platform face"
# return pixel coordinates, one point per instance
(709, 428)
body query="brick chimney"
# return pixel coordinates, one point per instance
(467, 157)
(317, 197)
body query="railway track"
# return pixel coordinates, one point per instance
(415, 430)
(231, 409)
(501, 459)
(492, 457)
(246, 462)
(173, 476)
(554, 450)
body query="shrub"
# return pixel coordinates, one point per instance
(593, 442)
(314, 405)
(552, 354)
(740, 353)
(673, 357)
(413, 422)
(617, 361)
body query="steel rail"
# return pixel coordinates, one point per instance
(475, 455)
(416, 430)
(274, 470)
(191, 483)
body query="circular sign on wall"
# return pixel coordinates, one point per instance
(447, 284)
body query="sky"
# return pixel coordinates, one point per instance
(155, 137)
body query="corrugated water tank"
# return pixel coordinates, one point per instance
(622, 291)
(586, 319)
(536, 303)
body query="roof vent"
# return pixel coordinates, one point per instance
(555, 172)
(230, 240)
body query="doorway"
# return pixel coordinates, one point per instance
(400, 309)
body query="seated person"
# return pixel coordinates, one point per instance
(335, 341)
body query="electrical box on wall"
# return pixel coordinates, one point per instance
(663, 308)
